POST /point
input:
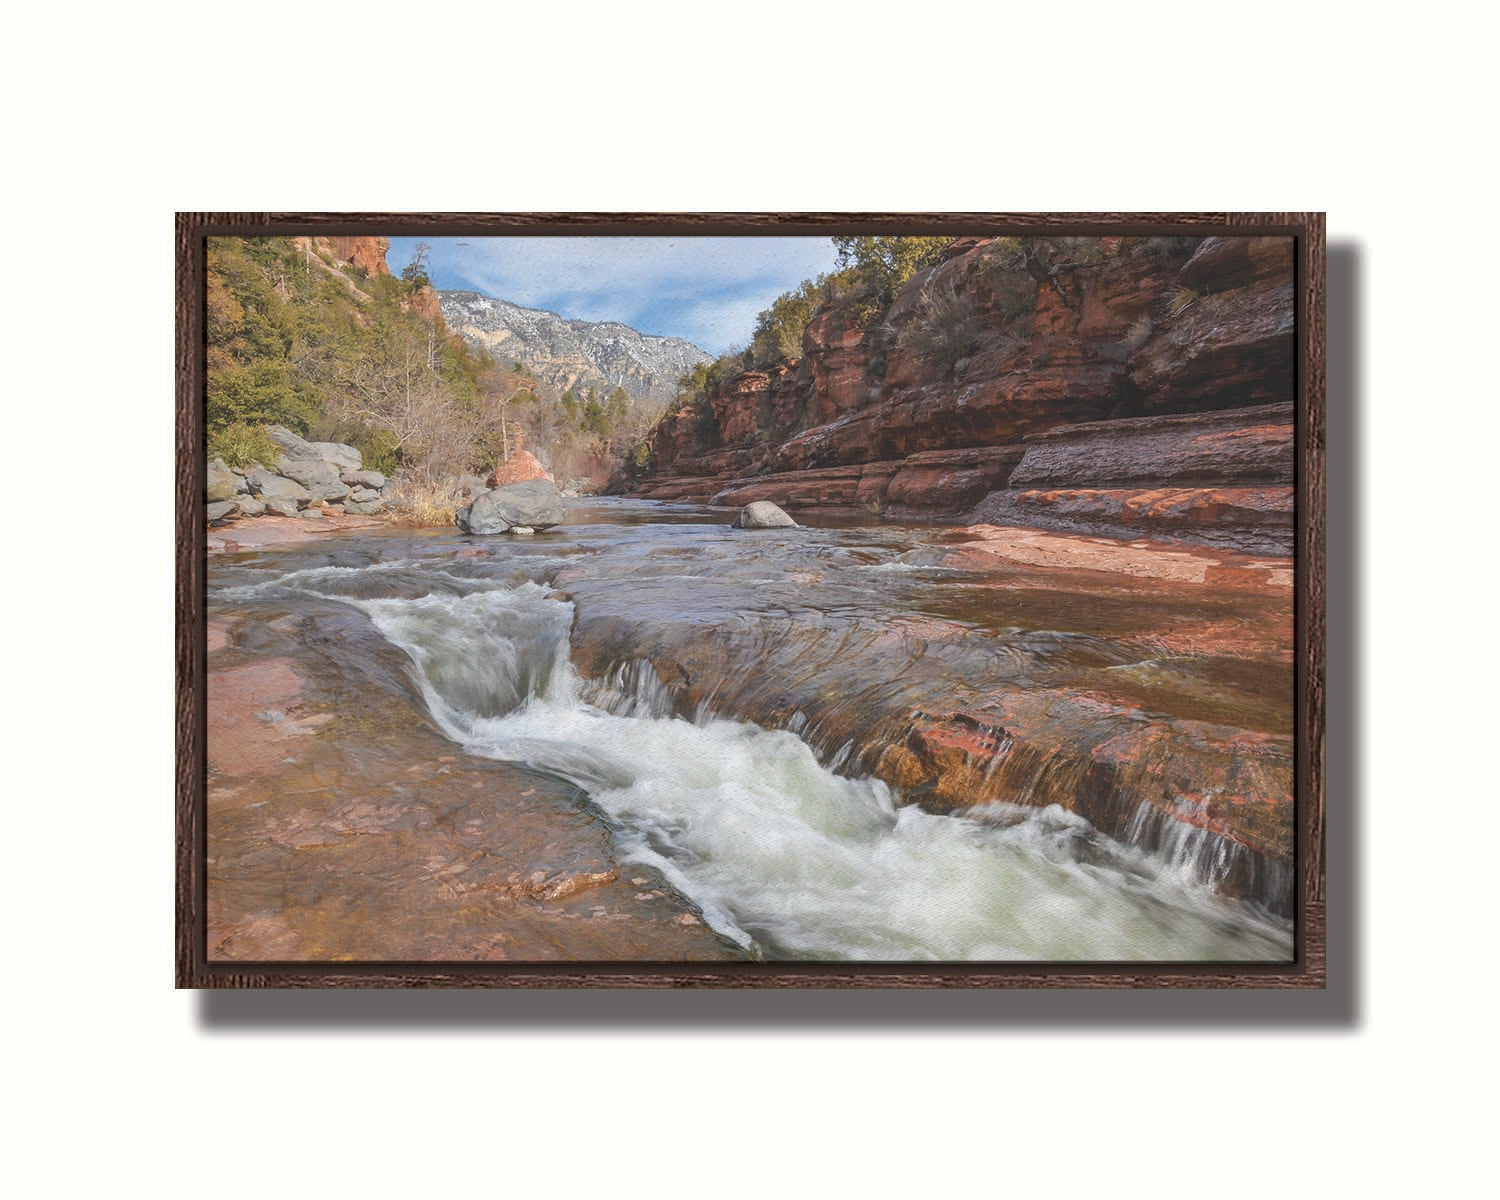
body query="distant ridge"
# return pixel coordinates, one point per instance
(570, 354)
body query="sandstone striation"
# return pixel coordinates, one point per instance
(1088, 341)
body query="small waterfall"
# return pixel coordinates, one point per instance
(778, 850)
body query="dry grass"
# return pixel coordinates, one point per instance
(429, 505)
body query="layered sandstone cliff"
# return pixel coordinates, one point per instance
(1021, 378)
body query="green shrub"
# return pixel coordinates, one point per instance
(241, 445)
(944, 329)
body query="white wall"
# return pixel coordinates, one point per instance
(115, 1080)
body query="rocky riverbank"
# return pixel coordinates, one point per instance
(308, 481)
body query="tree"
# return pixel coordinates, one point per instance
(880, 265)
(415, 272)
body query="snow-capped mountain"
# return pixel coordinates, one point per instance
(570, 354)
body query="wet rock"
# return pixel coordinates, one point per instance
(536, 504)
(762, 514)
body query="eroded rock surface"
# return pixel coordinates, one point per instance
(343, 827)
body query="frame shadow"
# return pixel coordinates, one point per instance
(1338, 1007)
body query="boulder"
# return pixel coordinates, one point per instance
(762, 514)
(220, 483)
(309, 471)
(321, 479)
(219, 509)
(345, 458)
(365, 479)
(250, 506)
(289, 442)
(363, 495)
(281, 508)
(536, 504)
(269, 486)
(363, 508)
(311, 514)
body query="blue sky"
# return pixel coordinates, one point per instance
(705, 289)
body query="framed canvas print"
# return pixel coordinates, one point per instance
(750, 600)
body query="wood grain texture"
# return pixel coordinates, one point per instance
(1312, 394)
(189, 525)
(191, 967)
(778, 224)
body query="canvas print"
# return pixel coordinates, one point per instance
(714, 599)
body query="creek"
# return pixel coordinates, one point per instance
(722, 699)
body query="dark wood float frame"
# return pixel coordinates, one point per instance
(1308, 968)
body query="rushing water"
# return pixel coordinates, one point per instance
(785, 848)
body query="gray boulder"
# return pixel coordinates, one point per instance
(250, 506)
(220, 509)
(270, 486)
(308, 471)
(536, 504)
(364, 508)
(311, 514)
(289, 442)
(363, 495)
(345, 458)
(762, 514)
(281, 508)
(321, 479)
(220, 483)
(363, 479)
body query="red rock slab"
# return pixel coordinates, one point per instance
(950, 481)
(1139, 559)
(347, 830)
(1102, 758)
(252, 533)
(1169, 510)
(1231, 446)
(253, 712)
(696, 490)
(834, 487)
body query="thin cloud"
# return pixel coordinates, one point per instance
(705, 289)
